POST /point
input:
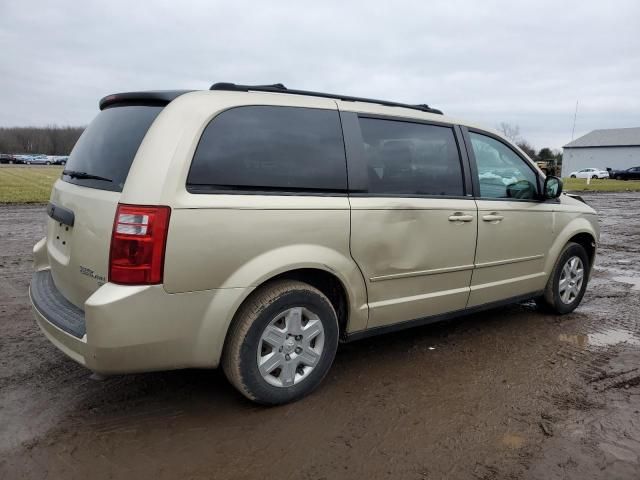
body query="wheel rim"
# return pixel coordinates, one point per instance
(571, 280)
(290, 347)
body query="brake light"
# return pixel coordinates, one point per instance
(138, 242)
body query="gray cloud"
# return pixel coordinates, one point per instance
(484, 61)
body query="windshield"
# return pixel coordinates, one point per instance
(105, 151)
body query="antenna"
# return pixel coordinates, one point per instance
(575, 115)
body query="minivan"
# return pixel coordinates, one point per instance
(257, 227)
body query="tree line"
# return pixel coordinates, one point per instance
(51, 140)
(512, 132)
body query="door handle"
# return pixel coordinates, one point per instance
(460, 217)
(493, 217)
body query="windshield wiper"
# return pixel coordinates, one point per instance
(85, 175)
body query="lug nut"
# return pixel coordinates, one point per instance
(298, 337)
(287, 357)
(298, 350)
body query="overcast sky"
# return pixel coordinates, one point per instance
(486, 61)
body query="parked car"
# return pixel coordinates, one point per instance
(60, 160)
(254, 228)
(7, 158)
(632, 173)
(37, 160)
(590, 173)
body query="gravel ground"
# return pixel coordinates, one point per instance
(509, 393)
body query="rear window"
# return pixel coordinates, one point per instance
(108, 145)
(267, 148)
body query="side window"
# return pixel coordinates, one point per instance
(411, 158)
(271, 148)
(501, 172)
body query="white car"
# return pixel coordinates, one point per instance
(590, 173)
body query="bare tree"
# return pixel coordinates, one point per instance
(527, 148)
(512, 132)
(51, 140)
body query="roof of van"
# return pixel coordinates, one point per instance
(345, 102)
(163, 97)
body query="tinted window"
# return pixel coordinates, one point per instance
(108, 145)
(501, 172)
(271, 148)
(411, 158)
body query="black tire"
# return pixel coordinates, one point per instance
(618, 177)
(573, 176)
(48, 163)
(594, 176)
(239, 358)
(551, 300)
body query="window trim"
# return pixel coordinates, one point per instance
(210, 189)
(474, 167)
(357, 170)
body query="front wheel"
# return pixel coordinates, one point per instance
(594, 177)
(281, 343)
(573, 176)
(568, 281)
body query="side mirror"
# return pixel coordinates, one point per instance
(552, 187)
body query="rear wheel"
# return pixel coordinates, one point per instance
(594, 176)
(568, 281)
(282, 343)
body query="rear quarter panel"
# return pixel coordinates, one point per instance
(241, 241)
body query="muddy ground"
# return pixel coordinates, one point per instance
(509, 393)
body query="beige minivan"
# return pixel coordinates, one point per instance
(256, 227)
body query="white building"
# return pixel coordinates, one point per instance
(616, 148)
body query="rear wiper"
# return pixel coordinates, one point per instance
(85, 175)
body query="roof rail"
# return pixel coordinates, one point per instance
(280, 88)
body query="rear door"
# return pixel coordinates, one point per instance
(413, 220)
(83, 202)
(515, 229)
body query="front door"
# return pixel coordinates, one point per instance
(514, 227)
(413, 231)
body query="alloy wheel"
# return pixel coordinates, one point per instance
(571, 279)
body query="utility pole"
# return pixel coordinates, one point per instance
(575, 115)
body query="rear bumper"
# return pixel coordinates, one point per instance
(127, 329)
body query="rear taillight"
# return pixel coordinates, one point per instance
(138, 242)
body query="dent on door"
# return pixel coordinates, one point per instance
(416, 259)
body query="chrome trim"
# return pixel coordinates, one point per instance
(509, 260)
(419, 273)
